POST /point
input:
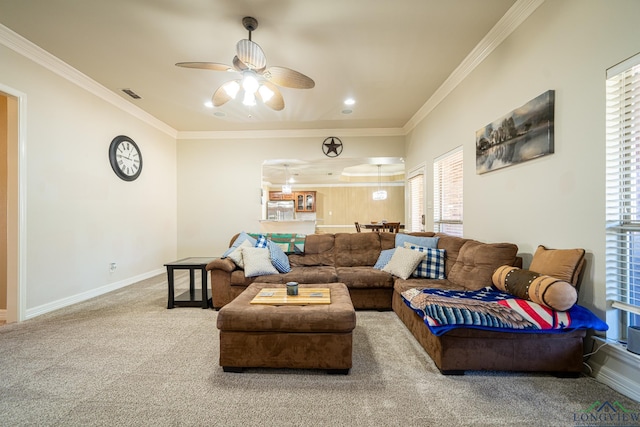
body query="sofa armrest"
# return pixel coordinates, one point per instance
(224, 264)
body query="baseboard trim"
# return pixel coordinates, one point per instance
(65, 302)
(617, 356)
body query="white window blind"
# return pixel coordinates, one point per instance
(447, 193)
(416, 202)
(623, 192)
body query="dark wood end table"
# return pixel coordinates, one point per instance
(188, 298)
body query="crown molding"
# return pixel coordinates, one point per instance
(511, 20)
(520, 11)
(289, 133)
(29, 50)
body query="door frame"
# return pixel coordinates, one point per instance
(16, 210)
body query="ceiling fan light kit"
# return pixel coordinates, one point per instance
(258, 83)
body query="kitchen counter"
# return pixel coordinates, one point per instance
(298, 226)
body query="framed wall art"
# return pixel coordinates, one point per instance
(524, 134)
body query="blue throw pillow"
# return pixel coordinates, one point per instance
(426, 242)
(241, 238)
(432, 266)
(278, 258)
(384, 258)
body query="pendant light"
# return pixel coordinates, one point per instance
(286, 187)
(380, 194)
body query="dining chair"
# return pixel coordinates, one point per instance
(392, 227)
(357, 226)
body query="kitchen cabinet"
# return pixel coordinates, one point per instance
(278, 195)
(305, 201)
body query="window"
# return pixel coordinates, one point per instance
(447, 193)
(623, 195)
(416, 200)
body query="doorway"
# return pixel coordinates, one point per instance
(11, 307)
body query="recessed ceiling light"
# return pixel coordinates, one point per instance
(208, 104)
(347, 111)
(349, 101)
(219, 114)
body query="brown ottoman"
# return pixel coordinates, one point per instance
(317, 336)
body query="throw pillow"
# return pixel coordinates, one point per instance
(241, 238)
(384, 258)
(561, 263)
(403, 262)
(262, 242)
(278, 258)
(427, 242)
(257, 262)
(545, 290)
(432, 265)
(236, 255)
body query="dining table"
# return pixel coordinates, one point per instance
(377, 227)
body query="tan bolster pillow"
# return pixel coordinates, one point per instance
(545, 290)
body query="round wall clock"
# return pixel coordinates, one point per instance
(125, 158)
(332, 146)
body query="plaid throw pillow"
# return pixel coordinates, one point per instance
(262, 242)
(432, 266)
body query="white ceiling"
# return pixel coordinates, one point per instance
(390, 56)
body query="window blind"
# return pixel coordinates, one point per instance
(447, 193)
(623, 190)
(416, 202)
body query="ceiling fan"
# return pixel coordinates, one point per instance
(258, 81)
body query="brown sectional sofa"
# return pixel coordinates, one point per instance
(349, 258)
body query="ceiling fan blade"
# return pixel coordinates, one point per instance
(214, 66)
(272, 100)
(225, 93)
(287, 77)
(239, 65)
(251, 54)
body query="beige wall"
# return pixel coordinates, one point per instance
(79, 216)
(557, 200)
(219, 182)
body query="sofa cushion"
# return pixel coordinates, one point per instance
(451, 246)
(318, 250)
(564, 264)
(364, 277)
(356, 249)
(403, 262)
(257, 262)
(318, 274)
(477, 261)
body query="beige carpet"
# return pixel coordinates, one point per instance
(123, 359)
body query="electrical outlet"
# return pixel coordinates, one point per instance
(112, 267)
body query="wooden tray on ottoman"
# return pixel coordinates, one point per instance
(306, 296)
(314, 336)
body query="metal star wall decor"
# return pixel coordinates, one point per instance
(332, 146)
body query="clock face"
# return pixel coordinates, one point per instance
(125, 158)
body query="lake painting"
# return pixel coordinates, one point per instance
(523, 134)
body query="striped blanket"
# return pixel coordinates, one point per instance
(491, 309)
(290, 243)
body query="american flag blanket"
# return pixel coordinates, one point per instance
(491, 309)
